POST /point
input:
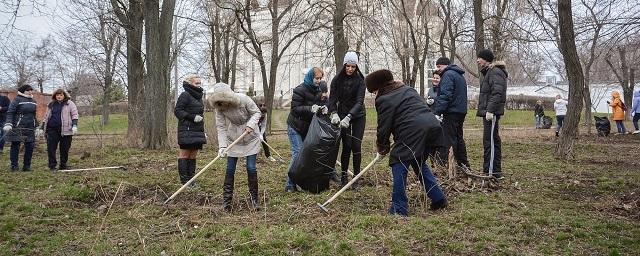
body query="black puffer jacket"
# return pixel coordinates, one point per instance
(189, 105)
(493, 89)
(347, 95)
(302, 98)
(404, 114)
(22, 118)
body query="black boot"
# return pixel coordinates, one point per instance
(191, 171)
(355, 184)
(227, 192)
(183, 169)
(252, 179)
(344, 179)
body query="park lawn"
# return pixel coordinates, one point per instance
(585, 206)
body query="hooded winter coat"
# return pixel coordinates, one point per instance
(617, 106)
(189, 105)
(452, 95)
(636, 103)
(235, 112)
(404, 114)
(22, 117)
(68, 115)
(493, 89)
(303, 97)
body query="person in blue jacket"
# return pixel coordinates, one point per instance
(20, 127)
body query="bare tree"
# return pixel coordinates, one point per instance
(624, 73)
(17, 61)
(340, 41)
(42, 55)
(566, 143)
(224, 42)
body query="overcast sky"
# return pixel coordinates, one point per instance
(34, 20)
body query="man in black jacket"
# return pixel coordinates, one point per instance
(491, 101)
(4, 106)
(451, 106)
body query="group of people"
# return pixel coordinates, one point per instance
(420, 129)
(617, 105)
(20, 126)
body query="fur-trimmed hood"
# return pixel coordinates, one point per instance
(501, 65)
(25, 95)
(222, 97)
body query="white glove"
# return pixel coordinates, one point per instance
(439, 117)
(488, 116)
(324, 110)
(222, 152)
(198, 118)
(315, 108)
(39, 133)
(430, 101)
(335, 119)
(7, 128)
(74, 129)
(345, 121)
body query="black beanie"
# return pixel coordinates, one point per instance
(486, 54)
(378, 79)
(25, 87)
(443, 61)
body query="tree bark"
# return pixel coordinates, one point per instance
(340, 43)
(569, 133)
(478, 21)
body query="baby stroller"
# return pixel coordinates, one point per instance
(603, 126)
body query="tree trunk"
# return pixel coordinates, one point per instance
(340, 43)
(569, 133)
(588, 114)
(478, 21)
(158, 40)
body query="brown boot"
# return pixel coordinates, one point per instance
(227, 192)
(252, 179)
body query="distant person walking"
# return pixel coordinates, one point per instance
(20, 127)
(560, 106)
(60, 124)
(538, 112)
(635, 111)
(4, 106)
(491, 101)
(618, 111)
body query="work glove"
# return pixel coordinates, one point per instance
(324, 110)
(335, 119)
(39, 133)
(430, 101)
(439, 117)
(74, 129)
(198, 118)
(222, 152)
(345, 121)
(314, 108)
(488, 116)
(7, 128)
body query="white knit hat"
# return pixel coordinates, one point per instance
(350, 58)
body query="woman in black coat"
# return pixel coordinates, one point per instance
(190, 113)
(416, 131)
(20, 127)
(346, 103)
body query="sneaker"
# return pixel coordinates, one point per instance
(497, 176)
(334, 177)
(439, 205)
(272, 159)
(14, 168)
(290, 189)
(635, 132)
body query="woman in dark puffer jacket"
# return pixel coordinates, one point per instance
(190, 113)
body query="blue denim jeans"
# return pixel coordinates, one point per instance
(636, 117)
(560, 120)
(28, 153)
(251, 164)
(399, 204)
(620, 126)
(539, 122)
(295, 139)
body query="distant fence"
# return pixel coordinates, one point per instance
(42, 99)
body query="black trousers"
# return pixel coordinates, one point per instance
(352, 142)
(55, 139)
(452, 128)
(492, 146)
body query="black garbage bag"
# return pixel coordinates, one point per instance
(312, 168)
(547, 122)
(603, 126)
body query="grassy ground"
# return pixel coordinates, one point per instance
(586, 206)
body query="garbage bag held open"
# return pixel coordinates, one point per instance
(312, 168)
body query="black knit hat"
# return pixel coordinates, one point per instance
(25, 87)
(378, 79)
(443, 61)
(486, 54)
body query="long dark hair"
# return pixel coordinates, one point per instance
(342, 76)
